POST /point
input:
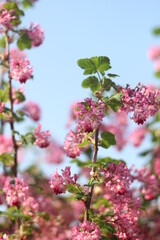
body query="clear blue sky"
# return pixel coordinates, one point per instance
(73, 29)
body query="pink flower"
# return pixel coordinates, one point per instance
(89, 114)
(15, 190)
(58, 182)
(5, 144)
(54, 153)
(33, 110)
(157, 66)
(156, 164)
(142, 101)
(5, 19)
(71, 144)
(86, 231)
(20, 66)
(41, 138)
(137, 136)
(153, 52)
(1, 106)
(35, 34)
(117, 178)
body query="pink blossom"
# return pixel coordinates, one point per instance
(157, 66)
(142, 101)
(117, 178)
(41, 138)
(153, 52)
(89, 114)
(5, 19)
(35, 34)
(71, 144)
(30, 206)
(149, 188)
(1, 106)
(20, 66)
(54, 153)
(5, 144)
(15, 190)
(86, 231)
(58, 182)
(137, 136)
(33, 110)
(4, 237)
(156, 164)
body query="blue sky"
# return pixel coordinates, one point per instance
(73, 29)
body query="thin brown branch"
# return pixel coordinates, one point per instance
(14, 168)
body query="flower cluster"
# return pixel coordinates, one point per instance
(85, 231)
(41, 138)
(58, 182)
(33, 110)
(15, 190)
(71, 144)
(136, 137)
(117, 178)
(35, 34)
(142, 101)
(149, 188)
(89, 114)
(20, 66)
(54, 153)
(154, 55)
(5, 19)
(5, 144)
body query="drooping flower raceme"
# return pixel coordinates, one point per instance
(35, 34)
(33, 110)
(20, 66)
(136, 137)
(5, 144)
(15, 190)
(41, 138)
(86, 231)
(89, 114)
(58, 182)
(142, 101)
(117, 178)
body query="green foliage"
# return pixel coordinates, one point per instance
(107, 139)
(156, 31)
(4, 95)
(24, 41)
(112, 75)
(81, 163)
(20, 96)
(114, 102)
(27, 138)
(7, 159)
(17, 12)
(92, 83)
(108, 83)
(86, 140)
(94, 64)
(157, 74)
(103, 162)
(27, 3)
(2, 42)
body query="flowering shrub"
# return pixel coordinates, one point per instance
(107, 203)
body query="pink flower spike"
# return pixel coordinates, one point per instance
(33, 110)
(35, 34)
(41, 138)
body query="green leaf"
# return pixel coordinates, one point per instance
(92, 83)
(157, 74)
(94, 64)
(79, 195)
(103, 162)
(24, 41)
(20, 96)
(156, 31)
(2, 42)
(108, 83)
(4, 95)
(86, 140)
(27, 3)
(112, 75)
(114, 101)
(80, 163)
(7, 159)
(72, 188)
(27, 138)
(107, 140)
